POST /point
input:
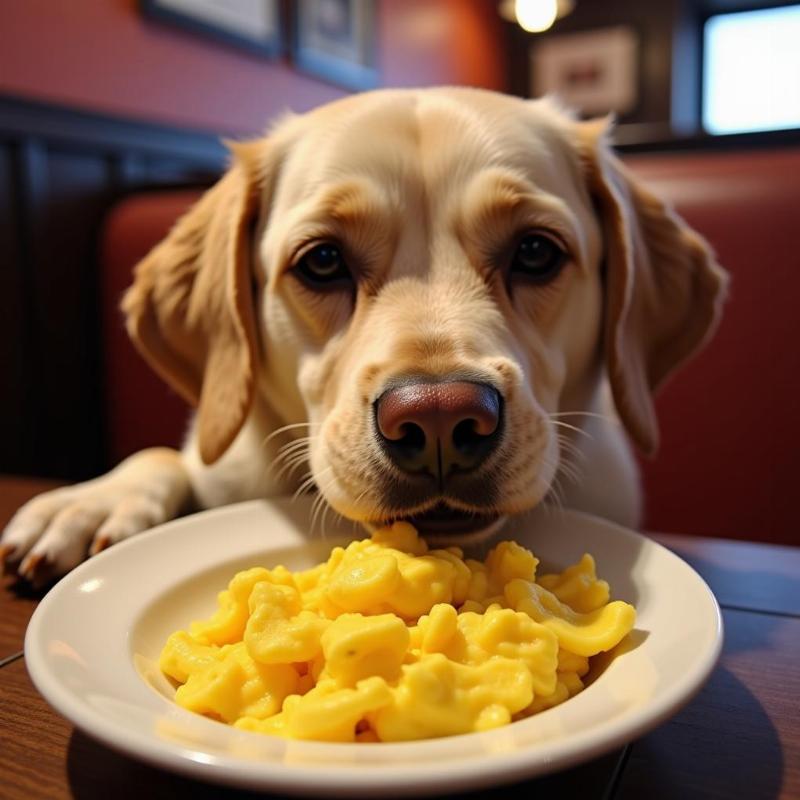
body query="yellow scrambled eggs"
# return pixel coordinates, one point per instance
(390, 641)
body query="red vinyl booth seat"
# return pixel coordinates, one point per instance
(728, 419)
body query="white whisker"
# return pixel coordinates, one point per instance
(284, 428)
(309, 481)
(319, 505)
(325, 510)
(571, 473)
(558, 495)
(604, 417)
(570, 447)
(291, 447)
(571, 427)
(289, 457)
(298, 458)
(314, 509)
(569, 466)
(287, 469)
(552, 500)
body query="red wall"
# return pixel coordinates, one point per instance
(102, 55)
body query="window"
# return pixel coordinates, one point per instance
(751, 71)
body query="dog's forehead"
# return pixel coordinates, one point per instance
(437, 139)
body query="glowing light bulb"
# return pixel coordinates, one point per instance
(536, 16)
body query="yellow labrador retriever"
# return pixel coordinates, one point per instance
(432, 300)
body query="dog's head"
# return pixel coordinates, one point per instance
(425, 278)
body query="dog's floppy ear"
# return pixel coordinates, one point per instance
(190, 310)
(663, 287)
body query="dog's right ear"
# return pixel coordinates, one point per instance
(190, 310)
(664, 289)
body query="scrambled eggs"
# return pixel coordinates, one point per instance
(390, 641)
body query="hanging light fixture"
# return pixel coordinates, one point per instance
(535, 16)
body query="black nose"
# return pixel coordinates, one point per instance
(439, 427)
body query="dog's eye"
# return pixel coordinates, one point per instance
(323, 264)
(538, 257)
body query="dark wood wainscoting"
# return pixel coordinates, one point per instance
(60, 171)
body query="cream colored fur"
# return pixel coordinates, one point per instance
(426, 191)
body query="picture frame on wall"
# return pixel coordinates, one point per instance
(336, 40)
(250, 25)
(594, 72)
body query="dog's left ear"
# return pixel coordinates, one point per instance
(663, 287)
(190, 310)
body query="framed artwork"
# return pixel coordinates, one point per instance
(335, 40)
(252, 25)
(593, 72)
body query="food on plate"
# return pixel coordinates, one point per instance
(390, 640)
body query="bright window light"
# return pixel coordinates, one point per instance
(751, 71)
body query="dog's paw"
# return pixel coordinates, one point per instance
(55, 531)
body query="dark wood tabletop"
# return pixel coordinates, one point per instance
(738, 738)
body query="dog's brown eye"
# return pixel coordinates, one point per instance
(323, 264)
(538, 257)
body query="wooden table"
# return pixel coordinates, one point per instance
(738, 738)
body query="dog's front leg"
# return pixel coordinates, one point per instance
(51, 533)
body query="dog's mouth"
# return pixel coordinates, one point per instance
(442, 520)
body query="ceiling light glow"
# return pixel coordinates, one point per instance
(535, 16)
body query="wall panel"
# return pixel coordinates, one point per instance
(60, 171)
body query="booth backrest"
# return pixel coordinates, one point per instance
(728, 420)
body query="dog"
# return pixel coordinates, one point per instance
(448, 304)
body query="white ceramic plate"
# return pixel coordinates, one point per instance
(92, 649)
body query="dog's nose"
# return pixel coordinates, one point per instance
(439, 427)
